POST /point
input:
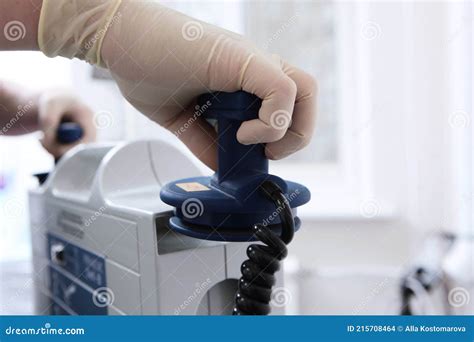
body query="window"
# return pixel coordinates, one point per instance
(306, 41)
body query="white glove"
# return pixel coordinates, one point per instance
(53, 108)
(162, 60)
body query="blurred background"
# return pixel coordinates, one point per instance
(390, 167)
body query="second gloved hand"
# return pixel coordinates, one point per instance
(162, 60)
(57, 106)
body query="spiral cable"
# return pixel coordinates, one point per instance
(258, 271)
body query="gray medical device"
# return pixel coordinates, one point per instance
(101, 242)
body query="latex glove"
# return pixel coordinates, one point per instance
(162, 60)
(57, 106)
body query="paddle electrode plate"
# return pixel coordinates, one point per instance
(225, 207)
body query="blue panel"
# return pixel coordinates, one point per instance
(82, 264)
(74, 295)
(75, 279)
(57, 309)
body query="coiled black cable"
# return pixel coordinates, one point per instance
(258, 271)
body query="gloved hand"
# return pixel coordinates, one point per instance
(53, 108)
(162, 60)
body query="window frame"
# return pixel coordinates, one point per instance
(341, 189)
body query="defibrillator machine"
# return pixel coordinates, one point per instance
(138, 228)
